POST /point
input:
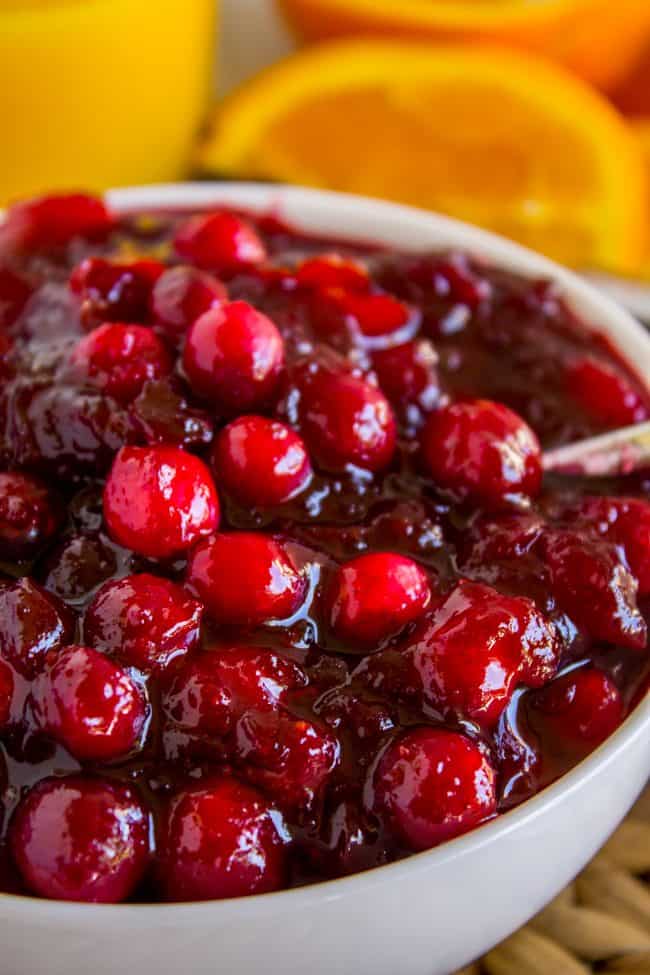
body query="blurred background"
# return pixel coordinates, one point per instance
(531, 117)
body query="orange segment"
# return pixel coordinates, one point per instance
(597, 39)
(489, 136)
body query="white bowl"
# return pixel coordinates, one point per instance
(425, 915)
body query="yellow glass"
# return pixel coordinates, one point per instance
(99, 93)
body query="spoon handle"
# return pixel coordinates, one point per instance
(622, 452)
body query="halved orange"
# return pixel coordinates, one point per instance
(598, 39)
(493, 137)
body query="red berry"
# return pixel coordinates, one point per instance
(52, 221)
(86, 702)
(233, 357)
(29, 515)
(605, 394)
(80, 839)
(594, 586)
(33, 623)
(374, 596)
(144, 621)
(625, 521)
(476, 647)
(220, 839)
(159, 500)
(180, 296)
(433, 785)
(345, 420)
(245, 578)
(120, 358)
(14, 294)
(221, 242)
(483, 452)
(260, 462)
(112, 291)
(407, 374)
(335, 310)
(583, 705)
(332, 271)
(212, 693)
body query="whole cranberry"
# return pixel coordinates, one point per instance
(433, 784)
(334, 311)
(592, 583)
(81, 839)
(290, 758)
(159, 500)
(483, 452)
(245, 578)
(476, 647)
(233, 357)
(605, 393)
(332, 271)
(221, 242)
(120, 358)
(114, 291)
(180, 296)
(260, 462)
(214, 691)
(374, 596)
(346, 420)
(144, 621)
(52, 221)
(90, 705)
(220, 839)
(33, 623)
(29, 515)
(583, 705)
(625, 521)
(14, 294)
(407, 374)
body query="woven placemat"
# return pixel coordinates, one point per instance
(599, 923)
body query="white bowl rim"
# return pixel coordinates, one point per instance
(264, 197)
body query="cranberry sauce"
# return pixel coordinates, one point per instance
(284, 594)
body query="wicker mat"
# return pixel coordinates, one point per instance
(600, 923)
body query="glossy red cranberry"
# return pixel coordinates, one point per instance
(220, 839)
(52, 221)
(212, 693)
(233, 357)
(604, 393)
(483, 452)
(332, 271)
(114, 291)
(407, 374)
(346, 420)
(14, 294)
(86, 702)
(433, 784)
(594, 586)
(159, 500)
(6, 695)
(29, 515)
(245, 578)
(180, 296)
(221, 242)
(625, 521)
(260, 462)
(144, 621)
(81, 839)
(374, 596)
(290, 758)
(583, 705)
(120, 358)
(477, 646)
(33, 623)
(335, 310)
